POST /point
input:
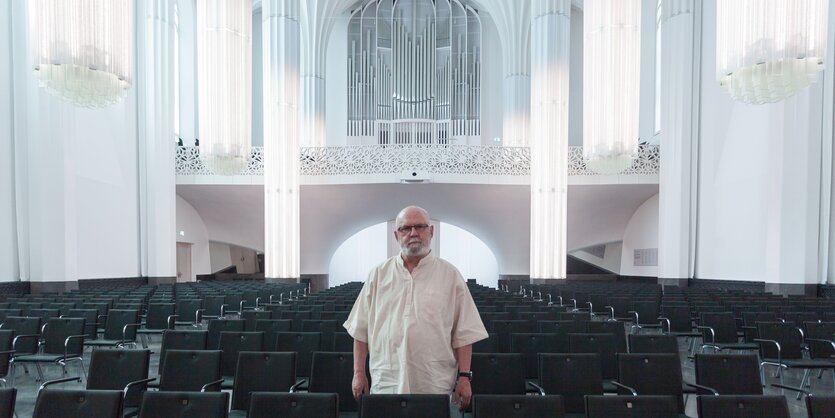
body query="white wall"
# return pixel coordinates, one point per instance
(357, 255)
(9, 270)
(469, 254)
(641, 233)
(220, 255)
(188, 71)
(224, 255)
(194, 232)
(759, 179)
(575, 80)
(257, 82)
(611, 257)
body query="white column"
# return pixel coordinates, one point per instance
(281, 139)
(679, 130)
(157, 195)
(317, 21)
(513, 20)
(9, 265)
(550, 54)
(313, 117)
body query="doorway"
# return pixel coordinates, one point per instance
(184, 262)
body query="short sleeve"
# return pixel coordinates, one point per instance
(357, 323)
(468, 328)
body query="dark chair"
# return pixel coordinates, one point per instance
(58, 403)
(729, 374)
(6, 352)
(160, 317)
(819, 337)
(232, 343)
(615, 328)
(251, 316)
(261, 372)
(604, 345)
(651, 374)
(631, 406)
(653, 343)
(4, 313)
(820, 406)
(181, 340)
(561, 330)
(191, 371)
(91, 321)
(189, 313)
(781, 345)
(24, 326)
(749, 323)
(293, 405)
(404, 406)
(121, 370)
(216, 326)
(45, 314)
(63, 342)
(119, 329)
(270, 327)
(719, 332)
(517, 406)
(529, 346)
(297, 317)
(7, 402)
(505, 327)
(743, 406)
(214, 307)
(184, 405)
(644, 315)
(303, 344)
(498, 374)
(342, 341)
(572, 376)
(326, 327)
(333, 373)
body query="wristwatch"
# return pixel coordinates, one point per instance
(468, 375)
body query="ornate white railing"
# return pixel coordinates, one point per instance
(435, 159)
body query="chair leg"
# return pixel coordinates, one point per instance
(820, 373)
(762, 374)
(40, 372)
(802, 382)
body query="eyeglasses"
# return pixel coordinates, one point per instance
(406, 229)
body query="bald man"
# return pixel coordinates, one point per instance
(416, 319)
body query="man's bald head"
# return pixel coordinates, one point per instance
(410, 212)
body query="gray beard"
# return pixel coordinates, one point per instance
(417, 252)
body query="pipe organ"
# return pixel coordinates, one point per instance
(414, 73)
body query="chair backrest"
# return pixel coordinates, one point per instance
(723, 324)
(212, 305)
(216, 326)
(91, 320)
(561, 329)
(297, 316)
(517, 406)
(602, 344)
(56, 333)
(333, 373)
(647, 311)
(342, 341)
(750, 319)
(615, 328)
(6, 338)
(45, 313)
(181, 340)
(114, 369)
(293, 405)
(652, 374)
(7, 402)
(653, 343)
(115, 323)
(404, 406)
(4, 313)
(157, 316)
(184, 404)
(505, 327)
(498, 374)
(743, 406)
(820, 406)
(822, 331)
(573, 376)
(304, 344)
(58, 403)
(232, 343)
(262, 372)
(326, 326)
(270, 327)
(187, 309)
(786, 334)
(679, 316)
(631, 406)
(189, 370)
(729, 374)
(529, 346)
(251, 316)
(22, 325)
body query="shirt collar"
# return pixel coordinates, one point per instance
(423, 261)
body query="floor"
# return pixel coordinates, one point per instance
(27, 387)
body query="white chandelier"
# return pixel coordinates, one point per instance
(767, 50)
(224, 83)
(611, 83)
(83, 49)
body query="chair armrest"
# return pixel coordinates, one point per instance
(624, 387)
(818, 340)
(712, 333)
(23, 337)
(241, 306)
(782, 386)
(210, 384)
(170, 321)
(56, 381)
(223, 310)
(5, 352)
(537, 387)
(777, 344)
(67, 343)
(198, 316)
(297, 384)
(611, 310)
(635, 315)
(125, 331)
(704, 388)
(748, 327)
(135, 383)
(662, 320)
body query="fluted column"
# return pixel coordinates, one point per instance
(550, 54)
(513, 20)
(157, 195)
(317, 20)
(679, 127)
(281, 138)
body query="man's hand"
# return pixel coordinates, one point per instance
(359, 384)
(463, 393)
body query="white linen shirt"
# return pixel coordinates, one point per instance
(412, 323)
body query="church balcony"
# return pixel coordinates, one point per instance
(467, 164)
